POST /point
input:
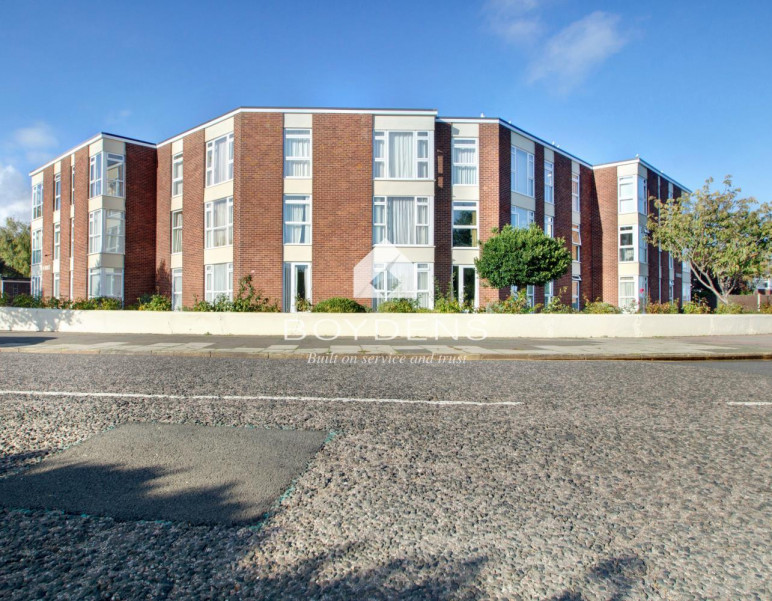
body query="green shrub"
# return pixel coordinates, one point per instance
(729, 309)
(248, 300)
(517, 304)
(154, 302)
(302, 305)
(27, 301)
(766, 309)
(447, 303)
(661, 308)
(556, 305)
(598, 307)
(338, 304)
(5, 300)
(399, 305)
(696, 307)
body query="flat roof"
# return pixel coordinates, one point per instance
(648, 166)
(99, 136)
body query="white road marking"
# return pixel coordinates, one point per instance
(750, 403)
(228, 397)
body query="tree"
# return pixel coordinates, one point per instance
(724, 238)
(521, 257)
(15, 248)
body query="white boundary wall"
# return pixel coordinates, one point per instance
(383, 326)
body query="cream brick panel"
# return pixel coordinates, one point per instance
(549, 155)
(404, 122)
(466, 192)
(630, 168)
(213, 256)
(524, 202)
(412, 254)
(55, 266)
(297, 253)
(57, 167)
(37, 224)
(72, 211)
(633, 269)
(298, 120)
(218, 129)
(96, 147)
(576, 218)
(642, 171)
(105, 260)
(549, 209)
(576, 268)
(175, 261)
(114, 146)
(575, 167)
(523, 143)
(384, 187)
(111, 203)
(219, 191)
(177, 147)
(176, 203)
(465, 130)
(57, 216)
(298, 186)
(37, 178)
(465, 256)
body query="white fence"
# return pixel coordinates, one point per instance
(382, 326)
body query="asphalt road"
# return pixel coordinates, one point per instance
(504, 480)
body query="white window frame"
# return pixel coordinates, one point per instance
(549, 226)
(626, 301)
(178, 167)
(382, 164)
(576, 243)
(72, 237)
(211, 145)
(210, 229)
(298, 133)
(36, 247)
(95, 173)
(670, 260)
(72, 188)
(383, 227)
(549, 292)
(643, 245)
(633, 246)
(671, 290)
(37, 201)
(58, 192)
(298, 199)
(626, 202)
(57, 241)
(382, 294)
(56, 293)
(528, 189)
(576, 192)
(576, 292)
(97, 232)
(35, 286)
(289, 286)
(549, 182)
(176, 275)
(643, 195)
(465, 143)
(212, 295)
(466, 205)
(176, 232)
(105, 274)
(115, 186)
(515, 214)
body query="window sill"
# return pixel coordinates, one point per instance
(216, 247)
(388, 244)
(465, 247)
(399, 179)
(225, 181)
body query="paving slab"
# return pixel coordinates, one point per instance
(174, 472)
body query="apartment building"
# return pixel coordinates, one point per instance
(299, 198)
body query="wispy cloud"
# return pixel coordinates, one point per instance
(14, 194)
(516, 21)
(35, 142)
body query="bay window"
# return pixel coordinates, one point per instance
(218, 282)
(576, 243)
(626, 193)
(403, 154)
(219, 160)
(95, 175)
(176, 232)
(218, 223)
(549, 226)
(521, 218)
(465, 161)
(549, 182)
(465, 227)
(576, 204)
(176, 289)
(36, 247)
(522, 164)
(297, 219)
(402, 220)
(626, 243)
(57, 241)
(177, 165)
(106, 231)
(628, 295)
(105, 281)
(643, 245)
(55, 293)
(57, 192)
(297, 153)
(35, 286)
(115, 175)
(37, 201)
(403, 280)
(643, 196)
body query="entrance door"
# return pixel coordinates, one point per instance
(465, 285)
(297, 285)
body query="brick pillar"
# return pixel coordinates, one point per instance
(193, 218)
(490, 195)
(592, 267)
(163, 282)
(605, 264)
(563, 219)
(64, 230)
(443, 207)
(80, 248)
(139, 262)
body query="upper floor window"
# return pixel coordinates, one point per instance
(177, 174)
(218, 282)
(549, 226)
(465, 227)
(115, 175)
(37, 201)
(404, 220)
(95, 175)
(36, 247)
(72, 184)
(626, 243)
(465, 161)
(521, 217)
(575, 194)
(403, 154)
(176, 232)
(106, 231)
(522, 171)
(626, 194)
(549, 182)
(643, 245)
(218, 222)
(57, 240)
(219, 160)
(576, 243)
(297, 153)
(297, 219)
(57, 192)
(643, 196)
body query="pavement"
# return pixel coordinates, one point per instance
(672, 348)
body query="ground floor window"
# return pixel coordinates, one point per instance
(56, 285)
(671, 290)
(464, 285)
(576, 290)
(549, 292)
(218, 280)
(34, 283)
(403, 280)
(297, 286)
(628, 296)
(176, 289)
(105, 281)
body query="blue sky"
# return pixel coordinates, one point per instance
(686, 85)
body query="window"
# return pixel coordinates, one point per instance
(57, 192)
(403, 154)
(72, 186)
(576, 288)
(72, 236)
(465, 230)
(643, 245)
(177, 174)
(176, 232)
(403, 220)
(464, 285)
(297, 285)
(670, 260)
(522, 171)
(530, 294)
(105, 281)
(35, 286)
(521, 217)
(671, 290)
(297, 219)
(297, 153)
(37, 201)
(549, 292)
(549, 226)
(465, 161)
(576, 243)
(218, 222)
(626, 243)
(57, 241)
(626, 194)
(56, 285)
(219, 160)
(106, 231)
(643, 196)
(176, 289)
(403, 280)
(218, 281)
(36, 247)
(549, 182)
(628, 296)
(95, 175)
(576, 204)
(115, 175)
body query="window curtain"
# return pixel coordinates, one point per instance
(296, 234)
(297, 148)
(401, 218)
(465, 158)
(220, 219)
(399, 280)
(401, 160)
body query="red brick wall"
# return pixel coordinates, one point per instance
(80, 248)
(606, 232)
(64, 230)
(139, 262)
(443, 207)
(342, 199)
(563, 219)
(592, 266)
(46, 266)
(163, 220)
(539, 207)
(490, 194)
(257, 201)
(652, 181)
(676, 264)
(193, 155)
